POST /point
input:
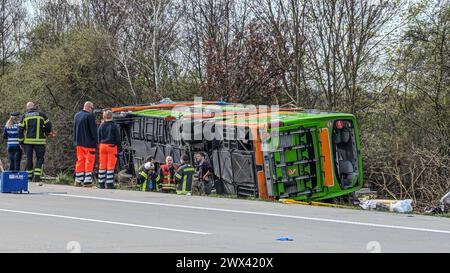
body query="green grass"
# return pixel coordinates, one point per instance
(126, 187)
(445, 215)
(61, 179)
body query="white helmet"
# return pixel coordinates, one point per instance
(149, 166)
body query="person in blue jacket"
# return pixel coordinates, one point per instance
(11, 135)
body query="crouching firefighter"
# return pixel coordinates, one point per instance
(167, 175)
(148, 176)
(34, 129)
(184, 176)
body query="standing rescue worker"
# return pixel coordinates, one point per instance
(11, 135)
(34, 129)
(204, 172)
(85, 139)
(167, 175)
(184, 176)
(110, 146)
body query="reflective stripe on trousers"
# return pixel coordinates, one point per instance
(108, 161)
(85, 164)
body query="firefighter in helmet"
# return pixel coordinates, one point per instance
(34, 128)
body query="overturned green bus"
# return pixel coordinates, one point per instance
(263, 152)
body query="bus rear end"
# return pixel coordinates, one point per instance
(314, 157)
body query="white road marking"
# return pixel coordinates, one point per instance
(102, 221)
(258, 213)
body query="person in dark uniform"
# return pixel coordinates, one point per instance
(34, 129)
(85, 139)
(204, 172)
(110, 146)
(184, 176)
(11, 135)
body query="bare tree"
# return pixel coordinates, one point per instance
(227, 48)
(342, 40)
(203, 22)
(325, 47)
(285, 21)
(423, 72)
(151, 37)
(110, 16)
(12, 23)
(57, 15)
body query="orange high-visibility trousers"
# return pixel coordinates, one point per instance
(108, 160)
(85, 164)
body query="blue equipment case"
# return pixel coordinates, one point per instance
(14, 182)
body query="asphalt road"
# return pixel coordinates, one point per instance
(66, 219)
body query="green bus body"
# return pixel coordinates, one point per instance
(301, 155)
(317, 122)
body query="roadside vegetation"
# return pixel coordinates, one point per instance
(387, 62)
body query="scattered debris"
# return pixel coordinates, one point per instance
(444, 206)
(165, 101)
(366, 193)
(445, 202)
(382, 205)
(403, 206)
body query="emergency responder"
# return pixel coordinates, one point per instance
(11, 135)
(184, 176)
(85, 139)
(110, 146)
(204, 172)
(148, 176)
(34, 129)
(167, 175)
(157, 165)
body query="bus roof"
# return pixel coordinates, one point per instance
(229, 113)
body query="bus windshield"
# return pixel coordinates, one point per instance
(345, 153)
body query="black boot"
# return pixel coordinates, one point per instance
(87, 185)
(37, 180)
